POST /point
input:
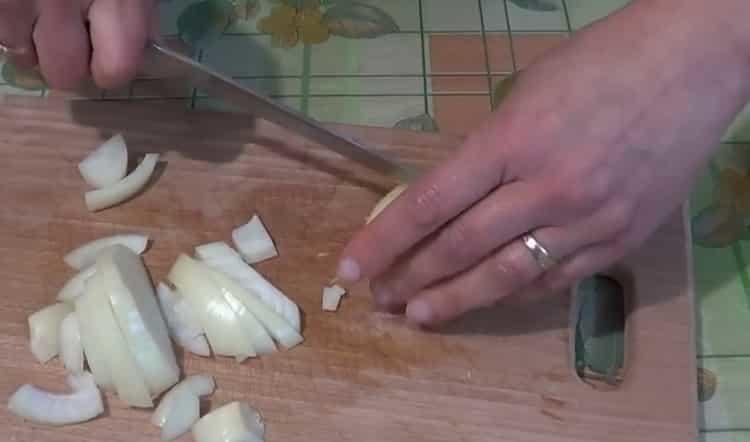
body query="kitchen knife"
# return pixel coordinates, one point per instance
(221, 86)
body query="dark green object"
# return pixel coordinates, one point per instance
(358, 20)
(503, 88)
(30, 80)
(600, 330)
(536, 5)
(203, 22)
(420, 123)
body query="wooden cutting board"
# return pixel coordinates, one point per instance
(501, 375)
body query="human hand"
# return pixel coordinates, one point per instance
(596, 145)
(73, 40)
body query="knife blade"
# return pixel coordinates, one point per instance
(218, 85)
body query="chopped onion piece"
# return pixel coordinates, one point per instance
(216, 316)
(201, 384)
(126, 188)
(179, 408)
(332, 297)
(274, 324)
(85, 255)
(44, 329)
(253, 241)
(71, 350)
(182, 322)
(235, 421)
(108, 350)
(223, 258)
(129, 290)
(74, 287)
(36, 405)
(106, 165)
(386, 201)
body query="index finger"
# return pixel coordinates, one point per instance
(425, 206)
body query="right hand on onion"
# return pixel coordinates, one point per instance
(597, 144)
(72, 40)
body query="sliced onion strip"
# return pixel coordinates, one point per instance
(235, 421)
(36, 405)
(71, 350)
(223, 258)
(74, 287)
(125, 189)
(85, 255)
(253, 241)
(44, 330)
(107, 164)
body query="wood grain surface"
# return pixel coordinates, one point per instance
(503, 374)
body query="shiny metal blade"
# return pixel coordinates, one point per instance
(220, 86)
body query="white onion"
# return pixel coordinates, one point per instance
(274, 324)
(254, 330)
(126, 188)
(220, 256)
(179, 408)
(105, 346)
(253, 241)
(85, 255)
(183, 323)
(129, 290)
(386, 201)
(74, 287)
(71, 350)
(332, 297)
(216, 316)
(235, 421)
(106, 165)
(83, 404)
(44, 330)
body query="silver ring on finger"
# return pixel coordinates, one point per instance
(544, 259)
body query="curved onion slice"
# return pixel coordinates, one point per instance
(216, 317)
(253, 241)
(75, 285)
(332, 297)
(179, 408)
(182, 322)
(106, 165)
(85, 256)
(386, 201)
(274, 324)
(235, 421)
(220, 256)
(83, 404)
(44, 328)
(71, 350)
(126, 188)
(129, 291)
(96, 317)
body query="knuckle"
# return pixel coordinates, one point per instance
(585, 190)
(619, 218)
(424, 206)
(455, 244)
(509, 272)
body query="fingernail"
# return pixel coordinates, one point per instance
(349, 270)
(419, 312)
